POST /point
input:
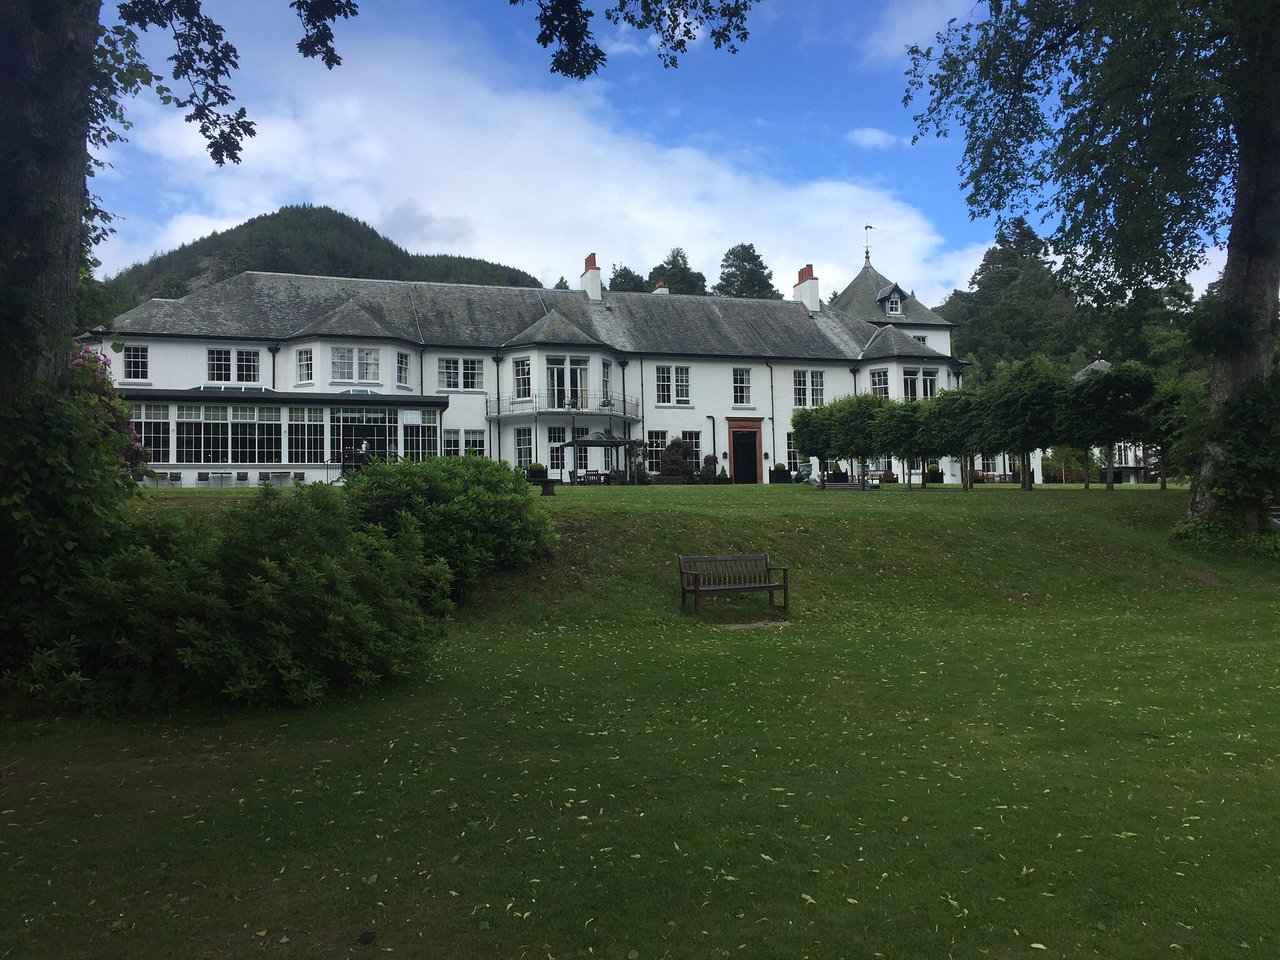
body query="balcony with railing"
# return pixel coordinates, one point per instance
(575, 402)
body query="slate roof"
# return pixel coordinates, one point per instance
(892, 342)
(1098, 366)
(553, 329)
(862, 299)
(282, 307)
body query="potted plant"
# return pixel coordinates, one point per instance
(838, 476)
(933, 473)
(535, 471)
(779, 473)
(723, 476)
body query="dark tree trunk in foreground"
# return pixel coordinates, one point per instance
(1249, 289)
(46, 60)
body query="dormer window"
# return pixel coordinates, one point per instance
(893, 307)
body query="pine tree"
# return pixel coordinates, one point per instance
(744, 274)
(677, 275)
(626, 280)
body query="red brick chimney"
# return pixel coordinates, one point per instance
(806, 289)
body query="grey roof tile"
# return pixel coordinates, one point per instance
(891, 342)
(553, 328)
(862, 299)
(270, 306)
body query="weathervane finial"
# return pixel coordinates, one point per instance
(866, 249)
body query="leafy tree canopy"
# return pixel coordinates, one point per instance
(1142, 131)
(676, 273)
(743, 274)
(1015, 306)
(625, 280)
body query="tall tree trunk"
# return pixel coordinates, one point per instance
(46, 63)
(1164, 473)
(1027, 479)
(1088, 463)
(1111, 467)
(1251, 279)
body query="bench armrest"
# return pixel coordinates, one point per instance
(691, 579)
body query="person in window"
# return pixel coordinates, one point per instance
(363, 456)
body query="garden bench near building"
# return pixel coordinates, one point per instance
(736, 573)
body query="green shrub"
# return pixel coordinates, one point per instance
(477, 515)
(66, 464)
(287, 600)
(1221, 536)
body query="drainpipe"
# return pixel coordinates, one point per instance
(622, 365)
(714, 446)
(273, 349)
(643, 434)
(773, 436)
(496, 423)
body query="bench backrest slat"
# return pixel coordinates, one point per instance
(728, 571)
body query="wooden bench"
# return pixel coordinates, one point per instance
(732, 574)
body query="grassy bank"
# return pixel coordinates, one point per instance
(994, 723)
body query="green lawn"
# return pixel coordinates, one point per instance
(996, 725)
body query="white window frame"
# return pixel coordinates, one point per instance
(682, 386)
(472, 374)
(248, 366)
(225, 359)
(893, 306)
(522, 378)
(662, 384)
(305, 365)
(402, 368)
(880, 382)
(137, 363)
(693, 440)
(449, 373)
(911, 383)
(655, 444)
(342, 364)
(742, 386)
(606, 379)
(368, 362)
(473, 442)
(555, 452)
(524, 446)
(800, 388)
(817, 388)
(452, 443)
(928, 383)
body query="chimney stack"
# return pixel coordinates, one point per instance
(806, 289)
(661, 287)
(590, 279)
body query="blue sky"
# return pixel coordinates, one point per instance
(444, 130)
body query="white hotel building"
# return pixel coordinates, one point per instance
(275, 376)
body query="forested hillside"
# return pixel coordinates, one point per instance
(304, 239)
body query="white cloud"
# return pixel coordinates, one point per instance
(873, 138)
(1215, 259)
(446, 153)
(906, 22)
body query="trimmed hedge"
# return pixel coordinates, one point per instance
(475, 514)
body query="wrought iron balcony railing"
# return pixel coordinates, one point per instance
(564, 401)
